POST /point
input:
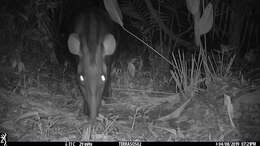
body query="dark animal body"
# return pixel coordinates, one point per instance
(93, 41)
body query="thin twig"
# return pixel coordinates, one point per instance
(139, 90)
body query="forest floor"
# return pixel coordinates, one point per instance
(43, 105)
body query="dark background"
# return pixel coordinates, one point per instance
(235, 24)
(37, 72)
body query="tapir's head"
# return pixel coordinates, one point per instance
(92, 45)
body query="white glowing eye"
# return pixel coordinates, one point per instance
(81, 78)
(103, 78)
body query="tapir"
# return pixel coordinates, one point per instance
(93, 41)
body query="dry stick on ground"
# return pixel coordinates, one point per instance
(139, 90)
(135, 115)
(176, 113)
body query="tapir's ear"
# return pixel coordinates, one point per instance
(109, 44)
(74, 44)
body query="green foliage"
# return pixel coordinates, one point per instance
(219, 63)
(187, 75)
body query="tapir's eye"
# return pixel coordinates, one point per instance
(103, 78)
(81, 77)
